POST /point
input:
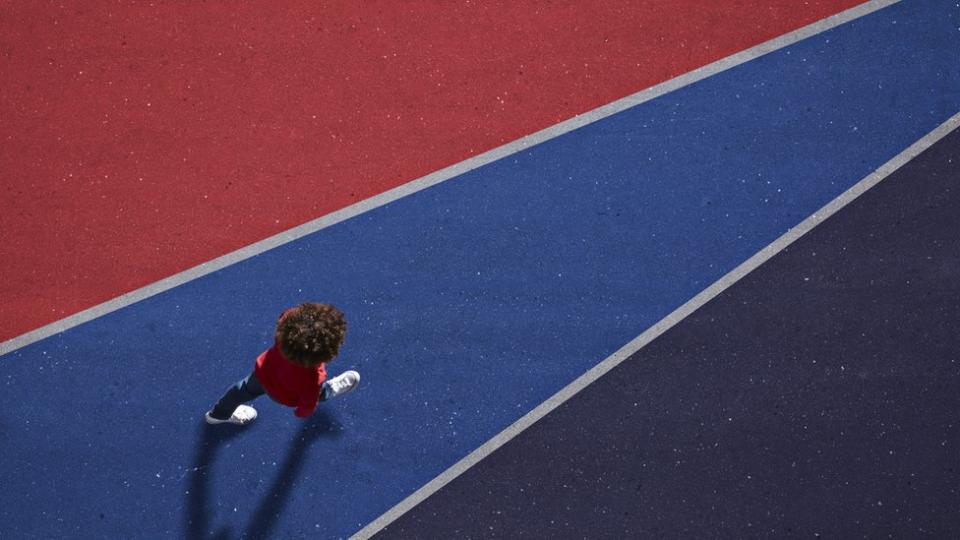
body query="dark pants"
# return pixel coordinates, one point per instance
(243, 391)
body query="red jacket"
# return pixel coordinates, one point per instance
(288, 383)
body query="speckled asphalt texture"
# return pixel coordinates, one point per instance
(818, 397)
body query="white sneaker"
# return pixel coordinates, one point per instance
(242, 416)
(342, 384)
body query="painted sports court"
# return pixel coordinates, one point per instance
(611, 269)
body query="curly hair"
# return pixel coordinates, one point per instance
(311, 334)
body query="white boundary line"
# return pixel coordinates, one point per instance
(442, 175)
(656, 330)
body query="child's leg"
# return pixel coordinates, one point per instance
(241, 392)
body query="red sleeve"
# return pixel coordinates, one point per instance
(307, 403)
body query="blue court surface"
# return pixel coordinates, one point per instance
(817, 396)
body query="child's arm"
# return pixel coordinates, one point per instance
(307, 404)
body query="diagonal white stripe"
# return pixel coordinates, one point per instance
(440, 176)
(656, 330)
(670, 320)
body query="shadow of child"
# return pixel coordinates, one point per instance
(211, 439)
(320, 424)
(208, 444)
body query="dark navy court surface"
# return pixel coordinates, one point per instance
(818, 397)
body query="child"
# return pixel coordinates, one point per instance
(292, 372)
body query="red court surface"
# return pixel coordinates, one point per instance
(141, 139)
